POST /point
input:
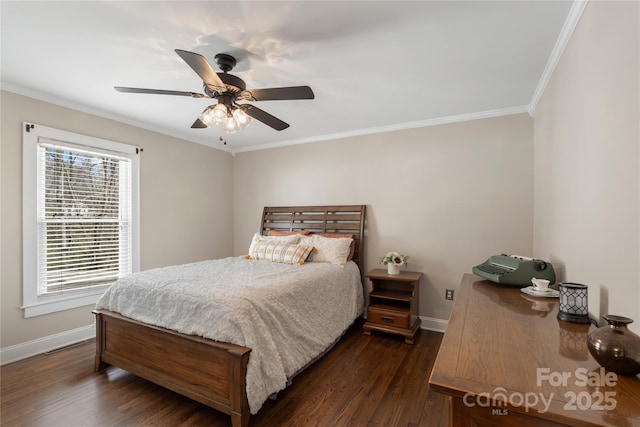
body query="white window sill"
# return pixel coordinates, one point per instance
(52, 304)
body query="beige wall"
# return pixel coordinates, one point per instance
(448, 196)
(186, 205)
(587, 140)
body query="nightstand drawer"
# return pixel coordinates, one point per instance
(382, 316)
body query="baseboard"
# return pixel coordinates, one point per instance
(44, 344)
(432, 324)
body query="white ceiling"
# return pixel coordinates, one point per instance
(373, 65)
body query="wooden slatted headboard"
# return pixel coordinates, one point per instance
(319, 219)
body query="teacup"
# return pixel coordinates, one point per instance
(540, 285)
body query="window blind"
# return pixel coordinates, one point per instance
(84, 213)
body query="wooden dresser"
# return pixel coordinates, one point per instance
(506, 360)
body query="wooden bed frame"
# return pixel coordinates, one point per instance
(204, 370)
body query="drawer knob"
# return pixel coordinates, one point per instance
(387, 319)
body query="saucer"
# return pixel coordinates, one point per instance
(549, 293)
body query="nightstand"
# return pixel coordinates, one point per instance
(393, 303)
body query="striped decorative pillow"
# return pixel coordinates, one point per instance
(285, 253)
(258, 238)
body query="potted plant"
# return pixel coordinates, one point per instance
(394, 260)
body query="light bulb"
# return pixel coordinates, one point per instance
(207, 116)
(220, 113)
(242, 118)
(231, 125)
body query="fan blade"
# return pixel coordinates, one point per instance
(264, 117)
(201, 66)
(159, 92)
(278, 93)
(199, 124)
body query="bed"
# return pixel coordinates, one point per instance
(217, 372)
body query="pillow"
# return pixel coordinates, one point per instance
(352, 248)
(286, 233)
(285, 253)
(332, 250)
(257, 238)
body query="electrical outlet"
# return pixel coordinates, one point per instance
(448, 294)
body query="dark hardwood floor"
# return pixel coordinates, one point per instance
(373, 380)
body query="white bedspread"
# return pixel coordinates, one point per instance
(286, 314)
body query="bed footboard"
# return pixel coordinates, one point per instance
(204, 370)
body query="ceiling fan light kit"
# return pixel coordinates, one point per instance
(228, 90)
(231, 119)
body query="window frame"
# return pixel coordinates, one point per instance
(34, 304)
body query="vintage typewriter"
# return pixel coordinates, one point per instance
(514, 270)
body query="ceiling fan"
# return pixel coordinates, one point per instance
(228, 90)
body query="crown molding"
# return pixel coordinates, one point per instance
(568, 28)
(390, 128)
(45, 97)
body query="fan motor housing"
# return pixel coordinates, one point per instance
(234, 84)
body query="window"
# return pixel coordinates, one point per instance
(80, 207)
